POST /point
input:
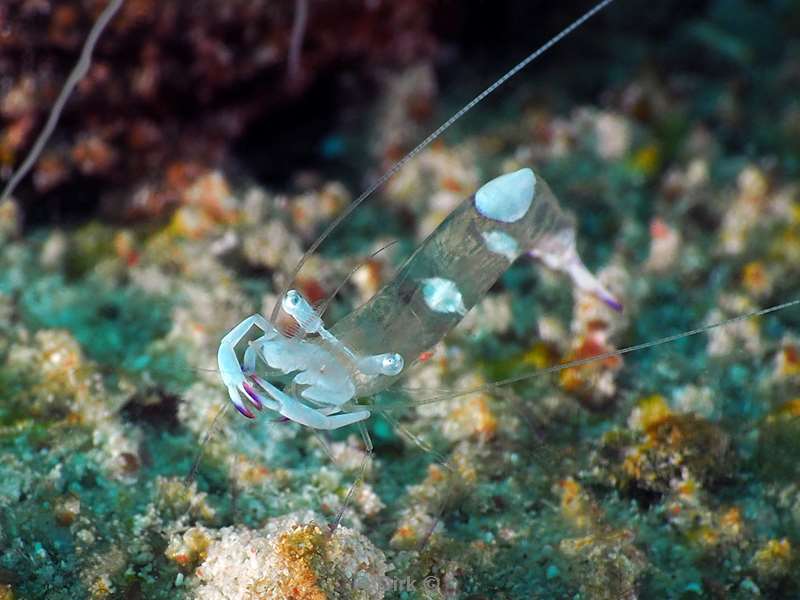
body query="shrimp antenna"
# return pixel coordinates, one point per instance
(435, 134)
(321, 307)
(196, 463)
(324, 306)
(78, 73)
(443, 394)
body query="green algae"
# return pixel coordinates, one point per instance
(114, 324)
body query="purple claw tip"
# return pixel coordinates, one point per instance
(245, 411)
(253, 396)
(614, 304)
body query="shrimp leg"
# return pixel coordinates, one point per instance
(293, 409)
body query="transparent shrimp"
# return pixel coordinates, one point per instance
(446, 276)
(441, 281)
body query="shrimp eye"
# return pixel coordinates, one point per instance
(392, 364)
(293, 298)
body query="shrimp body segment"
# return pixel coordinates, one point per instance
(438, 284)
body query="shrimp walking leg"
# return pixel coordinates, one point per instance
(452, 489)
(293, 409)
(362, 470)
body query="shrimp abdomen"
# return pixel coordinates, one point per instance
(453, 269)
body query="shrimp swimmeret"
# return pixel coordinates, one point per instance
(447, 275)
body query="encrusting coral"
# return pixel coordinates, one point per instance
(293, 556)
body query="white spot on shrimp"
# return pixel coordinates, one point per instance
(507, 198)
(442, 296)
(501, 243)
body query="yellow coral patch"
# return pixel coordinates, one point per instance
(705, 536)
(190, 548)
(476, 416)
(788, 361)
(540, 356)
(299, 547)
(755, 278)
(404, 536)
(248, 472)
(780, 549)
(787, 245)
(575, 505)
(190, 222)
(731, 522)
(787, 410)
(647, 159)
(796, 213)
(773, 559)
(632, 465)
(650, 412)
(687, 488)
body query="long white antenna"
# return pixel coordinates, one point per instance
(443, 394)
(439, 131)
(78, 73)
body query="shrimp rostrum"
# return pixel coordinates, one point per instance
(365, 352)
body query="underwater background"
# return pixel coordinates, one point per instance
(211, 142)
